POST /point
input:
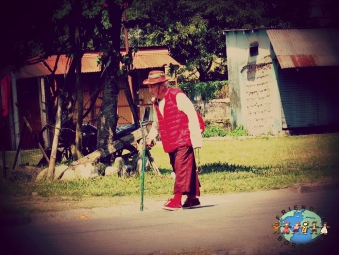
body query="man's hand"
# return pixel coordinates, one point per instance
(150, 142)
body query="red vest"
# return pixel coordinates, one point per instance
(173, 125)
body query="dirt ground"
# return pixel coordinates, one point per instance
(32, 204)
(10, 205)
(25, 205)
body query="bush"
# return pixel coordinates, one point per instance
(218, 131)
(214, 131)
(207, 90)
(239, 131)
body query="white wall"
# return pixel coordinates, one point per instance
(254, 95)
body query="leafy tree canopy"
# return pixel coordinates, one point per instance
(30, 28)
(192, 29)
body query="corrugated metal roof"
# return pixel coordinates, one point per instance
(28, 71)
(88, 63)
(305, 47)
(152, 61)
(153, 57)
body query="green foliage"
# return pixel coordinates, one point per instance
(192, 29)
(218, 131)
(182, 27)
(239, 131)
(52, 27)
(207, 90)
(214, 131)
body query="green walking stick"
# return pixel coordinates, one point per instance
(143, 157)
(143, 163)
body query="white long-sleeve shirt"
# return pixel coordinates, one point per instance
(185, 105)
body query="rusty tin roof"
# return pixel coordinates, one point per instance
(305, 47)
(146, 57)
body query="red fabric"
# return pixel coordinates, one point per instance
(177, 197)
(201, 123)
(5, 88)
(173, 126)
(184, 166)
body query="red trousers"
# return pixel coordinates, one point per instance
(184, 166)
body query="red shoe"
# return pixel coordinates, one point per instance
(191, 202)
(172, 205)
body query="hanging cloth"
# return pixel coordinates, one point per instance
(5, 88)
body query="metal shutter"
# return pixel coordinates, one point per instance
(309, 96)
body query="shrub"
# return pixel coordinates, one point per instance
(239, 131)
(214, 131)
(207, 90)
(218, 131)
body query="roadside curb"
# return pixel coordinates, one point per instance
(150, 205)
(13, 220)
(313, 187)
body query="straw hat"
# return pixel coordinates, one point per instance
(156, 76)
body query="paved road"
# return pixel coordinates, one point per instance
(227, 224)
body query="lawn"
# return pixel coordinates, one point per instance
(231, 164)
(236, 165)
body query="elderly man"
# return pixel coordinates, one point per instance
(177, 123)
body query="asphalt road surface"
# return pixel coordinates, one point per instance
(228, 224)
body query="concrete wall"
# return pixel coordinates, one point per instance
(254, 96)
(215, 112)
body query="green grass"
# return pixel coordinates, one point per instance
(229, 165)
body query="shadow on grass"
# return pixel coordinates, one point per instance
(225, 167)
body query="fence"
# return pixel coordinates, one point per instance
(27, 154)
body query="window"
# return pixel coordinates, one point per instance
(254, 49)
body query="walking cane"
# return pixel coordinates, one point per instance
(143, 153)
(143, 163)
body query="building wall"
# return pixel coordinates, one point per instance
(254, 95)
(215, 112)
(28, 99)
(91, 84)
(28, 107)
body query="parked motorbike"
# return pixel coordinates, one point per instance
(89, 141)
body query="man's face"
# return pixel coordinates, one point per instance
(154, 89)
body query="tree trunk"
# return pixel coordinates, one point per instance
(52, 159)
(128, 94)
(203, 72)
(80, 100)
(112, 146)
(107, 117)
(2, 133)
